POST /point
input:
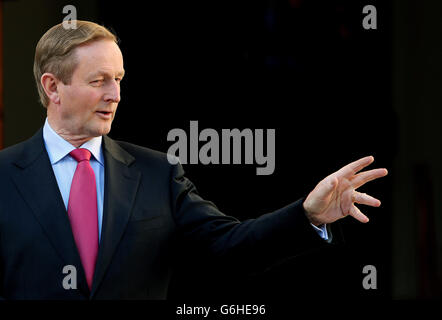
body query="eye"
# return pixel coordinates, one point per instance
(97, 81)
(118, 80)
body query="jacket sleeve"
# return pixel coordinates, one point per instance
(253, 244)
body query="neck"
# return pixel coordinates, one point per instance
(74, 139)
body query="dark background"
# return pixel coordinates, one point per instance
(307, 69)
(333, 91)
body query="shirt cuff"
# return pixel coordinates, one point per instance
(321, 230)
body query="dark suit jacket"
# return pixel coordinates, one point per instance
(149, 208)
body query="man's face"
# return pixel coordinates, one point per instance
(88, 104)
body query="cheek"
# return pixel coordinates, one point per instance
(83, 99)
(89, 96)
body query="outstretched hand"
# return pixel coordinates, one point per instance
(335, 196)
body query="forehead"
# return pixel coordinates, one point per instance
(103, 55)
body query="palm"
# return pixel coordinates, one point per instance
(335, 196)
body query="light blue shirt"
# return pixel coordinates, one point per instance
(321, 230)
(64, 165)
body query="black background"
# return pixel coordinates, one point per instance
(307, 69)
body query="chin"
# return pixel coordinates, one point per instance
(105, 131)
(102, 130)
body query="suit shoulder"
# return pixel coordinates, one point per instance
(11, 153)
(145, 155)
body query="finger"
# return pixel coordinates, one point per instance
(352, 168)
(363, 198)
(357, 214)
(366, 176)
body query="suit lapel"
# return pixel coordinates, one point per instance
(121, 185)
(37, 185)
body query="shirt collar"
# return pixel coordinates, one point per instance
(58, 148)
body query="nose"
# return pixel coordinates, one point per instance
(113, 92)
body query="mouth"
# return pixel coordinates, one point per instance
(104, 114)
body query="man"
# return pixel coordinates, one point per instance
(74, 200)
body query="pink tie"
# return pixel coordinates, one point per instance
(82, 211)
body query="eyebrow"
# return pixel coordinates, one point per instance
(102, 72)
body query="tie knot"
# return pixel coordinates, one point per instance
(80, 154)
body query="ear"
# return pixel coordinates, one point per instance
(50, 85)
